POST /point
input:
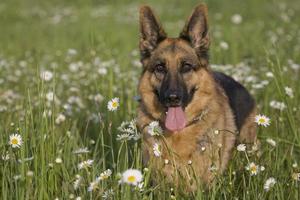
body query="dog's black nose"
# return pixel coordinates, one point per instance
(173, 99)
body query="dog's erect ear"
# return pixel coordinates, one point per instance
(195, 32)
(151, 32)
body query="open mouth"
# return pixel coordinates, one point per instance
(175, 119)
(175, 116)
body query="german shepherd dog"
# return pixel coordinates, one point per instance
(202, 113)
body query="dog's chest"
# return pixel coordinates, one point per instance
(187, 144)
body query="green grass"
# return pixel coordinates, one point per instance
(36, 36)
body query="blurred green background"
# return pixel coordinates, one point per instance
(84, 24)
(90, 49)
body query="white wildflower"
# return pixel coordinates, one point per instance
(58, 160)
(236, 19)
(85, 164)
(15, 140)
(113, 104)
(156, 150)
(105, 175)
(46, 75)
(270, 75)
(262, 120)
(289, 92)
(241, 147)
(124, 137)
(77, 183)
(271, 142)
(132, 177)
(270, 182)
(296, 176)
(93, 185)
(253, 169)
(108, 194)
(81, 150)
(278, 105)
(154, 128)
(224, 45)
(60, 118)
(102, 71)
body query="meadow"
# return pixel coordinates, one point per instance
(62, 62)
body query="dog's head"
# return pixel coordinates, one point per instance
(172, 66)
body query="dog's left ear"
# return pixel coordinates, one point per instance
(151, 32)
(195, 32)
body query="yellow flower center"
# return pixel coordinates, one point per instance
(115, 104)
(253, 169)
(104, 176)
(262, 120)
(131, 179)
(14, 141)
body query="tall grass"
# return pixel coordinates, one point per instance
(90, 48)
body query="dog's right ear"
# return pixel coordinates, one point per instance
(151, 32)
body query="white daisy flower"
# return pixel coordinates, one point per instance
(270, 75)
(85, 164)
(132, 177)
(60, 118)
(270, 182)
(278, 105)
(296, 176)
(105, 175)
(72, 52)
(102, 71)
(81, 150)
(156, 150)
(108, 194)
(50, 96)
(98, 98)
(262, 120)
(253, 168)
(289, 92)
(77, 183)
(58, 160)
(224, 45)
(236, 19)
(46, 75)
(154, 128)
(5, 156)
(124, 137)
(29, 173)
(140, 186)
(166, 161)
(15, 140)
(271, 142)
(295, 165)
(241, 147)
(93, 185)
(17, 177)
(113, 104)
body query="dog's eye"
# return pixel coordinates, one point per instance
(160, 68)
(186, 67)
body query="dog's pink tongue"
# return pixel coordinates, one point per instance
(175, 119)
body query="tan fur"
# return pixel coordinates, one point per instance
(248, 131)
(181, 147)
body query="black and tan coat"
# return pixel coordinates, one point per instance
(218, 111)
